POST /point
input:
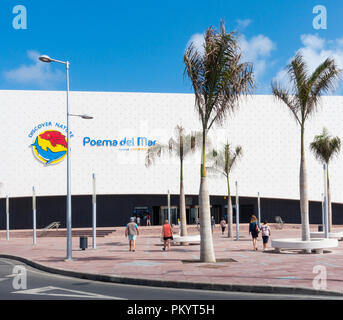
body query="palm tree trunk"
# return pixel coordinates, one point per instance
(229, 211)
(303, 186)
(183, 218)
(206, 241)
(329, 202)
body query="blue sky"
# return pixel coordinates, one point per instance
(138, 46)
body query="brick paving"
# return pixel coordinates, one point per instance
(243, 266)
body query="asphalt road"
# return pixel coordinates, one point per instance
(41, 285)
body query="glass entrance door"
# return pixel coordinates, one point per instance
(141, 213)
(193, 216)
(174, 214)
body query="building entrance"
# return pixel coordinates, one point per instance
(141, 213)
(174, 214)
(216, 212)
(192, 213)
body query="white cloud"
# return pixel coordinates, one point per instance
(312, 41)
(198, 41)
(315, 50)
(37, 73)
(257, 50)
(242, 24)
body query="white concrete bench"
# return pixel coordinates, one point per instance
(188, 239)
(332, 235)
(297, 244)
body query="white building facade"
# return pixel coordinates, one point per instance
(113, 146)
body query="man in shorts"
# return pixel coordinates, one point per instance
(131, 231)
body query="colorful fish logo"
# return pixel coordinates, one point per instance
(50, 147)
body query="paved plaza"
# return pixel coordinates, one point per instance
(237, 263)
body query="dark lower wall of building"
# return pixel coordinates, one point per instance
(115, 210)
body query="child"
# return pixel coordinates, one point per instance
(265, 234)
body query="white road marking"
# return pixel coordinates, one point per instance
(5, 260)
(44, 291)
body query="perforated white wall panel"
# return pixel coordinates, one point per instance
(264, 127)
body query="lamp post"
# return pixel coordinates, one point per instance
(7, 218)
(237, 212)
(323, 213)
(94, 212)
(169, 207)
(326, 203)
(259, 207)
(34, 215)
(47, 59)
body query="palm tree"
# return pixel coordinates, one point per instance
(303, 101)
(324, 148)
(223, 161)
(218, 78)
(181, 146)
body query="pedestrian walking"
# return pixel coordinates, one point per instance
(131, 231)
(213, 222)
(139, 220)
(148, 220)
(167, 235)
(223, 225)
(254, 229)
(179, 224)
(265, 234)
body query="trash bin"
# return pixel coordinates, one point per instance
(320, 228)
(83, 242)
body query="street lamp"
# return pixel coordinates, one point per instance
(83, 116)
(47, 59)
(326, 202)
(237, 212)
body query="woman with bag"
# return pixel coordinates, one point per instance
(167, 235)
(254, 229)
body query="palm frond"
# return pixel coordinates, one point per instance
(154, 152)
(224, 159)
(307, 89)
(323, 80)
(218, 76)
(235, 156)
(284, 96)
(297, 71)
(324, 147)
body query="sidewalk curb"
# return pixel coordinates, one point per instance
(177, 284)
